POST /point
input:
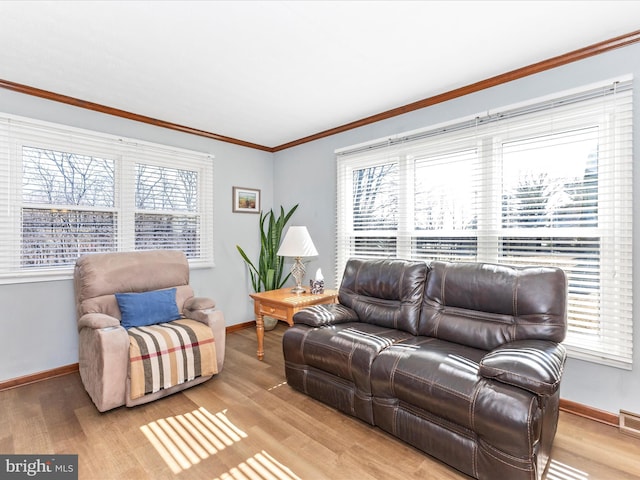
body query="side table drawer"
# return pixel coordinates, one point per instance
(275, 312)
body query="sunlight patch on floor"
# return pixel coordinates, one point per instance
(281, 384)
(561, 471)
(261, 466)
(184, 440)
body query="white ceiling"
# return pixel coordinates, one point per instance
(271, 72)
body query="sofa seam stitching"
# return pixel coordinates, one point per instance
(391, 387)
(423, 381)
(523, 469)
(472, 422)
(529, 420)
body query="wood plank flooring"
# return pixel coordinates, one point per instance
(247, 424)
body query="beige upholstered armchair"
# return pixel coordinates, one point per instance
(143, 334)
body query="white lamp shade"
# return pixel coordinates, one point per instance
(297, 243)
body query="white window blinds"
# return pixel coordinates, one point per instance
(547, 183)
(67, 192)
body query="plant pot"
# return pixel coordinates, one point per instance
(270, 323)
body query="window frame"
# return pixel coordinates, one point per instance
(488, 141)
(18, 132)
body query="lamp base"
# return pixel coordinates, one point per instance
(298, 270)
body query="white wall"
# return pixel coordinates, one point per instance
(38, 323)
(306, 174)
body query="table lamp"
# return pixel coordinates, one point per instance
(297, 243)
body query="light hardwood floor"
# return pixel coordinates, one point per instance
(247, 424)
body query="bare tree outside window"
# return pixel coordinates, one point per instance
(162, 188)
(69, 207)
(68, 201)
(547, 191)
(375, 197)
(166, 204)
(445, 197)
(375, 208)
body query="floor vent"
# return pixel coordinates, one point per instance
(630, 423)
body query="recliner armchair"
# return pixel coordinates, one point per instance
(104, 355)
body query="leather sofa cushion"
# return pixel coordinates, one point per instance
(345, 350)
(485, 305)
(385, 292)
(431, 374)
(441, 379)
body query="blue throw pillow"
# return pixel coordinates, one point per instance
(147, 308)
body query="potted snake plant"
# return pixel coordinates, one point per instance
(268, 274)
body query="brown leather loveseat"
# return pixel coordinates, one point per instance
(461, 360)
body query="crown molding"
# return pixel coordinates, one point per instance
(582, 53)
(549, 64)
(96, 107)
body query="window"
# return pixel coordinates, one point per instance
(68, 207)
(548, 183)
(167, 209)
(67, 192)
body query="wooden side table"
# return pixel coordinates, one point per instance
(282, 304)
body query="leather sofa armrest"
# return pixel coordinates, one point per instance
(322, 315)
(534, 365)
(97, 321)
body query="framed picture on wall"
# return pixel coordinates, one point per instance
(246, 200)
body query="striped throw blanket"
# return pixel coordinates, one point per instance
(168, 354)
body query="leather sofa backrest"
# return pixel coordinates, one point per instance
(385, 292)
(97, 277)
(484, 305)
